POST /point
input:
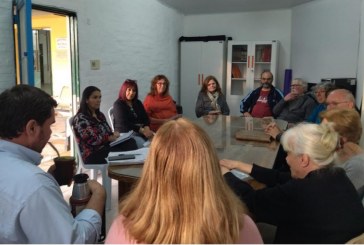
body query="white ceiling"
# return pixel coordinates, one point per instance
(191, 7)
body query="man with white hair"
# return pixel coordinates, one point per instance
(296, 106)
(341, 99)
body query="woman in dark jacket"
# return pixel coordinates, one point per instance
(316, 203)
(129, 113)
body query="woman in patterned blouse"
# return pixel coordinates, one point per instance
(93, 133)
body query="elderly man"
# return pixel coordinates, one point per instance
(260, 102)
(341, 99)
(33, 209)
(296, 106)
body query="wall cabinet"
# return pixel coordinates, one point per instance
(245, 63)
(198, 60)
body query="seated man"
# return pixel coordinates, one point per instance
(33, 209)
(341, 99)
(296, 106)
(261, 101)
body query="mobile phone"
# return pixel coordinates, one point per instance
(122, 157)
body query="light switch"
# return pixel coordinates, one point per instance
(95, 64)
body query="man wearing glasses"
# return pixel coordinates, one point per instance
(296, 106)
(260, 102)
(340, 98)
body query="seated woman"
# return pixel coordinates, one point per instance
(158, 104)
(93, 133)
(351, 157)
(184, 197)
(321, 91)
(129, 113)
(211, 100)
(315, 203)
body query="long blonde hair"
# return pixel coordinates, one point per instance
(181, 196)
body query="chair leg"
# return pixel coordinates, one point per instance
(106, 182)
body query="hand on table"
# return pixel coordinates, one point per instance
(232, 164)
(247, 114)
(273, 130)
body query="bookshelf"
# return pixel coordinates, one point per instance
(246, 62)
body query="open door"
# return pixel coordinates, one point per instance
(24, 41)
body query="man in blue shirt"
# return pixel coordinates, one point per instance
(33, 209)
(261, 101)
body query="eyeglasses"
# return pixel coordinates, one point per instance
(335, 103)
(320, 92)
(161, 84)
(266, 79)
(296, 85)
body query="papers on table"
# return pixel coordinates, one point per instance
(239, 174)
(140, 156)
(123, 137)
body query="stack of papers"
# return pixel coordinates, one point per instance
(140, 156)
(123, 137)
(239, 174)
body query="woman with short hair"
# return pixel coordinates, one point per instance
(158, 104)
(314, 203)
(181, 196)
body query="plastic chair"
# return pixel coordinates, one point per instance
(110, 112)
(94, 168)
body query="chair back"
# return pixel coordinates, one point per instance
(75, 144)
(110, 112)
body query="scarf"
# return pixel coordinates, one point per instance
(213, 97)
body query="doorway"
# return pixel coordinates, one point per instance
(56, 71)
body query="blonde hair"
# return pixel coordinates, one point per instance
(346, 122)
(319, 142)
(181, 196)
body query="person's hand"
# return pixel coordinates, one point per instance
(114, 136)
(229, 164)
(247, 114)
(147, 132)
(52, 170)
(232, 164)
(290, 96)
(273, 130)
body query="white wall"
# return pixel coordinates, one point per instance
(132, 39)
(325, 39)
(7, 68)
(252, 26)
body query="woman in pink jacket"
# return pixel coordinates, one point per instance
(181, 196)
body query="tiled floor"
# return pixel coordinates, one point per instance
(60, 141)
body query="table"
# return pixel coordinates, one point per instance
(221, 130)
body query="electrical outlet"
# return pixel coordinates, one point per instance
(95, 64)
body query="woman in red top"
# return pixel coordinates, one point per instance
(158, 104)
